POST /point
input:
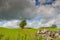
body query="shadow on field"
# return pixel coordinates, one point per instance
(1, 36)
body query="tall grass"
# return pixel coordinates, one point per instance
(7, 38)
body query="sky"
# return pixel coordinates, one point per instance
(38, 13)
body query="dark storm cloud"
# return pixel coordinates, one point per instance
(16, 9)
(24, 9)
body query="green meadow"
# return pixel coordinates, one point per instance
(21, 34)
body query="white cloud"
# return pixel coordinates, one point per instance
(11, 24)
(57, 3)
(37, 24)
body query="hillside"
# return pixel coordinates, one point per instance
(20, 34)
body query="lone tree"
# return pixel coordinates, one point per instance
(53, 26)
(22, 24)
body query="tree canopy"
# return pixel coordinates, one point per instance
(22, 23)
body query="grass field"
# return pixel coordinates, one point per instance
(20, 34)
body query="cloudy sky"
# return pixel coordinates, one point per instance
(38, 13)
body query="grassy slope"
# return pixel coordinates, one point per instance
(28, 34)
(13, 33)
